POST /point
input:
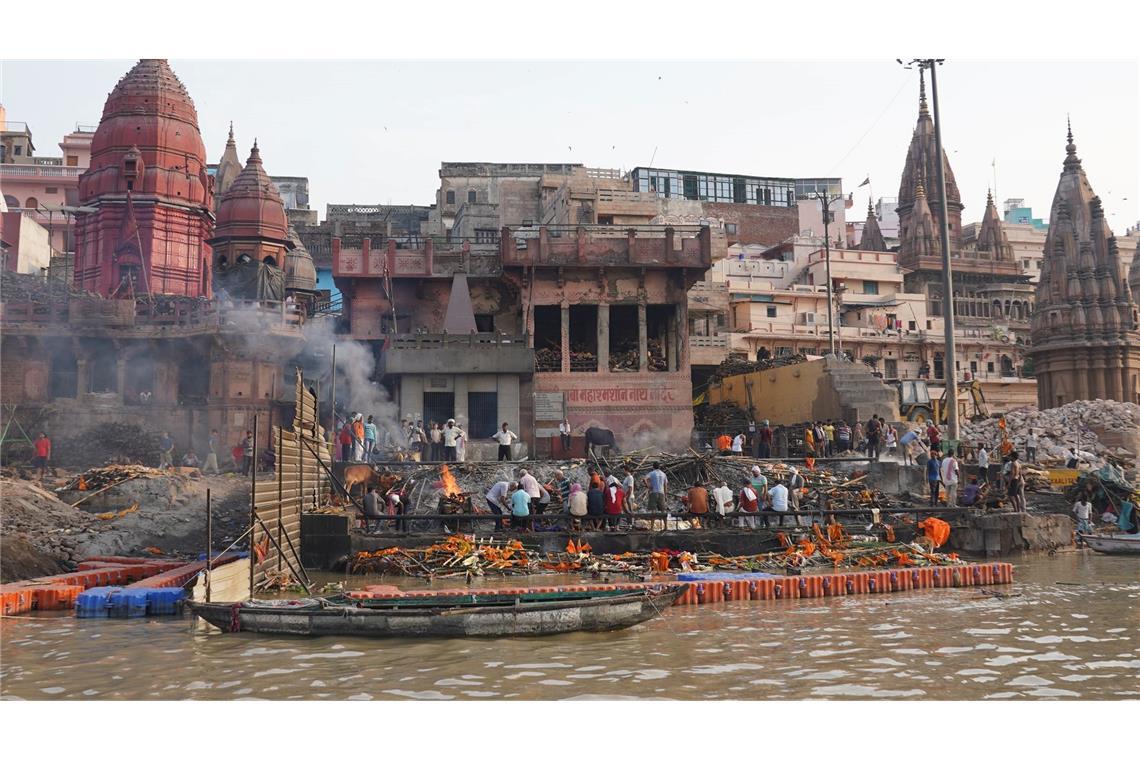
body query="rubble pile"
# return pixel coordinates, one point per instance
(110, 442)
(43, 521)
(1060, 429)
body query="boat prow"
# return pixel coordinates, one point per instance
(1113, 543)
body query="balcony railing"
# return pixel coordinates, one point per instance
(190, 313)
(33, 171)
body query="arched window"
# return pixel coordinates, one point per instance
(11, 202)
(104, 374)
(995, 308)
(1006, 366)
(31, 203)
(270, 261)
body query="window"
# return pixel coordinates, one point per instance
(891, 368)
(19, 150)
(471, 196)
(438, 406)
(450, 197)
(973, 368)
(486, 236)
(51, 190)
(771, 312)
(31, 203)
(911, 325)
(870, 288)
(729, 228)
(782, 351)
(73, 160)
(485, 323)
(483, 413)
(990, 367)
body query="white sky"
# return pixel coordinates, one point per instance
(376, 132)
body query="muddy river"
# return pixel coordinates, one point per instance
(1073, 632)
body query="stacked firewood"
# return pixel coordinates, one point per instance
(548, 359)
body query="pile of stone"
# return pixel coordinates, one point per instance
(1080, 424)
(39, 518)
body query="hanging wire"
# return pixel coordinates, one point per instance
(873, 125)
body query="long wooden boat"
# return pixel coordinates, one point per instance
(472, 614)
(1113, 543)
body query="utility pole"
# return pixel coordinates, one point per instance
(949, 362)
(826, 200)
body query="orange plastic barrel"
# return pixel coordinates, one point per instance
(943, 577)
(833, 585)
(900, 580)
(811, 586)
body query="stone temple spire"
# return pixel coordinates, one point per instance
(872, 239)
(991, 236)
(1086, 340)
(921, 167)
(229, 167)
(920, 237)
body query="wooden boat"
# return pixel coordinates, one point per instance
(461, 613)
(1113, 543)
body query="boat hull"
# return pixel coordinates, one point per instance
(1118, 543)
(524, 619)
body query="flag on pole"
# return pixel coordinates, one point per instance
(865, 182)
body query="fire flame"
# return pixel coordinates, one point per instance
(448, 481)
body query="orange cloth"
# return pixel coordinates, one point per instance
(724, 443)
(938, 531)
(358, 430)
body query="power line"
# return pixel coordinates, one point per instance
(873, 125)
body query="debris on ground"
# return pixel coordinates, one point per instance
(1079, 424)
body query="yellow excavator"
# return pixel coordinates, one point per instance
(916, 405)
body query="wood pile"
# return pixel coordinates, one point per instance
(625, 358)
(99, 478)
(118, 442)
(548, 359)
(656, 358)
(725, 416)
(735, 365)
(582, 359)
(820, 547)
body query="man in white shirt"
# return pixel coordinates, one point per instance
(722, 500)
(1083, 510)
(983, 464)
(505, 437)
(778, 494)
(450, 436)
(498, 498)
(564, 436)
(529, 483)
(738, 444)
(1031, 447)
(950, 478)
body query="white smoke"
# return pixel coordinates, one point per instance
(357, 392)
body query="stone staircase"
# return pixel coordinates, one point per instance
(860, 393)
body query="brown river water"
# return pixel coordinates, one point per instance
(1074, 632)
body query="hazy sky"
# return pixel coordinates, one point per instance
(376, 132)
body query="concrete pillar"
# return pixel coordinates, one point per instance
(671, 343)
(82, 377)
(565, 337)
(121, 378)
(604, 337)
(462, 415)
(642, 340)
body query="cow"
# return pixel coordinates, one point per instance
(600, 437)
(363, 475)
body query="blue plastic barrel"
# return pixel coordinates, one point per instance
(128, 603)
(93, 603)
(165, 601)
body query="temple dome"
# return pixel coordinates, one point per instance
(300, 272)
(252, 207)
(151, 111)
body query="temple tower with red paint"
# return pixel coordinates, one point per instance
(148, 183)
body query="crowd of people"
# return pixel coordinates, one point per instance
(362, 440)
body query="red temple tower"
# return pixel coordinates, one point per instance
(148, 182)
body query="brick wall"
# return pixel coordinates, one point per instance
(765, 225)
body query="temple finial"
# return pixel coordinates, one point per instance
(922, 109)
(231, 131)
(1069, 122)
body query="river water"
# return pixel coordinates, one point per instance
(1074, 632)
